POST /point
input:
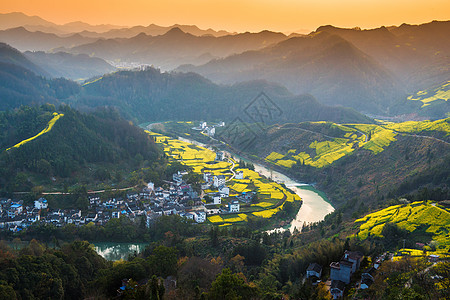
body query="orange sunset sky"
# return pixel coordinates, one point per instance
(233, 15)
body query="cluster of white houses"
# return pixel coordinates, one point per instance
(177, 198)
(210, 129)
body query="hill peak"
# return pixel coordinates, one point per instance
(175, 31)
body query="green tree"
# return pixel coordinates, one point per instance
(230, 286)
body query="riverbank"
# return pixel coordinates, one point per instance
(315, 204)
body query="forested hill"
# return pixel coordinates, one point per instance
(150, 95)
(76, 140)
(22, 82)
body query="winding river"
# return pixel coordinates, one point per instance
(314, 207)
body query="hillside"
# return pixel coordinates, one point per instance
(98, 145)
(323, 65)
(150, 95)
(10, 55)
(415, 54)
(372, 71)
(20, 86)
(75, 67)
(362, 164)
(175, 47)
(24, 39)
(422, 222)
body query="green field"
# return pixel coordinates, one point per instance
(414, 217)
(371, 137)
(440, 93)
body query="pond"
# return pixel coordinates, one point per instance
(117, 251)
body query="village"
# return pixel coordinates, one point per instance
(175, 198)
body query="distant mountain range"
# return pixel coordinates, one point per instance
(372, 71)
(35, 23)
(76, 67)
(151, 95)
(176, 47)
(369, 70)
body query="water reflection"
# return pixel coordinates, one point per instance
(117, 251)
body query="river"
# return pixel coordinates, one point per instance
(314, 207)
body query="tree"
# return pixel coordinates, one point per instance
(230, 286)
(163, 261)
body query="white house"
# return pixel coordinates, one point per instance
(178, 178)
(220, 155)
(314, 270)
(210, 131)
(14, 210)
(203, 125)
(151, 186)
(115, 214)
(207, 176)
(233, 206)
(188, 215)
(200, 216)
(219, 180)
(224, 191)
(41, 203)
(239, 175)
(217, 198)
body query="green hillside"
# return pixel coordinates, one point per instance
(362, 164)
(151, 95)
(432, 95)
(420, 220)
(42, 147)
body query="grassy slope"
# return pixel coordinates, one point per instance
(414, 218)
(344, 165)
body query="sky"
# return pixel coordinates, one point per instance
(237, 15)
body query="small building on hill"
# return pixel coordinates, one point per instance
(314, 270)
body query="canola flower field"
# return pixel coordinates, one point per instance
(49, 127)
(431, 95)
(411, 217)
(272, 196)
(371, 137)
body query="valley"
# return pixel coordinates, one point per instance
(268, 164)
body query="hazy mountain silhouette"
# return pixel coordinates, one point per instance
(10, 55)
(324, 65)
(34, 23)
(416, 54)
(176, 47)
(18, 19)
(153, 30)
(24, 40)
(76, 67)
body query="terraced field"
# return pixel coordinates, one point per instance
(429, 96)
(272, 196)
(411, 217)
(371, 137)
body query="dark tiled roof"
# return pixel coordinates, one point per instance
(314, 267)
